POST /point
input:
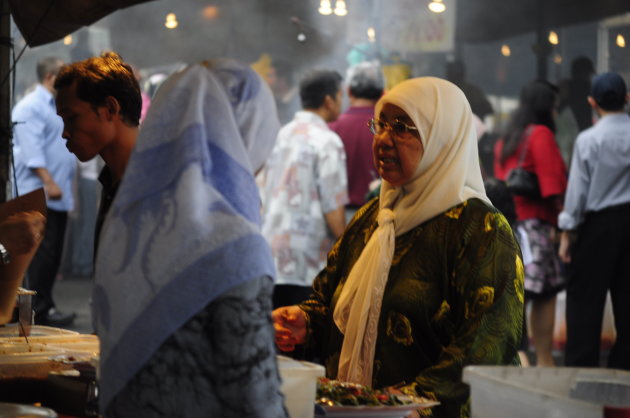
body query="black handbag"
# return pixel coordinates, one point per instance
(522, 182)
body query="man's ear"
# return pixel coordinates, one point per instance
(112, 105)
(329, 101)
(49, 81)
(592, 102)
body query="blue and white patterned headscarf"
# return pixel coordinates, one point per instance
(185, 225)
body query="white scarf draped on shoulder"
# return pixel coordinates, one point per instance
(447, 174)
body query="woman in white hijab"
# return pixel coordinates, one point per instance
(427, 278)
(183, 285)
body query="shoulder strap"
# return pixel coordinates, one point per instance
(526, 134)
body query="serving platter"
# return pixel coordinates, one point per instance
(396, 411)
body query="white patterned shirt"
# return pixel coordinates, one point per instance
(305, 178)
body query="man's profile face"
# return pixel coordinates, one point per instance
(86, 129)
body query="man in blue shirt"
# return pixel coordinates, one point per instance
(42, 160)
(597, 207)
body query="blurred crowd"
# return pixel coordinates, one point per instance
(378, 222)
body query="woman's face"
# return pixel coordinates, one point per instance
(397, 150)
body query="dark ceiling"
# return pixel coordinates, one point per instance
(477, 20)
(489, 20)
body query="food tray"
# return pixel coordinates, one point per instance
(13, 330)
(44, 354)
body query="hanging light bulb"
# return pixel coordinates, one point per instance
(553, 38)
(67, 40)
(325, 7)
(371, 33)
(340, 8)
(171, 21)
(505, 50)
(436, 6)
(621, 41)
(210, 12)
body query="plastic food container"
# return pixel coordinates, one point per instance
(299, 385)
(548, 392)
(44, 354)
(13, 330)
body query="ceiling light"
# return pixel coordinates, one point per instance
(553, 38)
(210, 12)
(67, 40)
(505, 50)
(325, 7)
(171, 21)
(371, 33)
(436, 6)
(621, 41)
(340, 8)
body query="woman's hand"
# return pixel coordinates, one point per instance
(289, 323)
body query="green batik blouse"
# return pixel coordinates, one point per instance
(454, 297)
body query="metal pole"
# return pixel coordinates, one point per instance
(375, 18)
(542, 49)
(5, 100)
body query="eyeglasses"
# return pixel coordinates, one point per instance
(398, 128)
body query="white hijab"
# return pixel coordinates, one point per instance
(447, 174)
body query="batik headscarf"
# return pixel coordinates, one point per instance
(184, 227)
(447, 174)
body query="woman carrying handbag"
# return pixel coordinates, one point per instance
(529, 144)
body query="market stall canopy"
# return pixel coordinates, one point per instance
(40, 22)
(44, 21)
(491, 20)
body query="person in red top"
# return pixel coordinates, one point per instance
(365, 87)
(531, 130)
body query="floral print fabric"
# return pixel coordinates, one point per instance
(454, 298)
(543, 275)
(305, 178)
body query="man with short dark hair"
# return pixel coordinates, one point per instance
(597, 207)
(41, 160)
(365, 86)
(100, 103)
(304, 189)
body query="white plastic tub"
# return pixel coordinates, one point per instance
(546, 392)
(299, 385)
